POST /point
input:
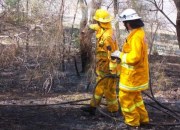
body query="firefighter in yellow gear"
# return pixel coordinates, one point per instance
(134, 74)
(105, 45)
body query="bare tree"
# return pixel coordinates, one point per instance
(116, 9)
(177, 3)
(27, 9)
(61, 31)
(84, 43)
(153, 34)
(159, 5)
(86, 34)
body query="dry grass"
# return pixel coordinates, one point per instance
(43, 60)
(160, 81)
(7, 54)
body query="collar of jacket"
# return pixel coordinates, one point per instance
(133, 32)
(105, 25)
(101, 32)
(103, 28)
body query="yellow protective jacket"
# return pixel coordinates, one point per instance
(106, 44)
(134, 62)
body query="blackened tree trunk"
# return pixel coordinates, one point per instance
(85, 44)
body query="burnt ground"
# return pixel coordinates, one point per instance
(68, 118)
(28, 108)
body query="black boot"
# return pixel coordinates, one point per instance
(89, 109)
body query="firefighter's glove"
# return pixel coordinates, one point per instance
(116, 54)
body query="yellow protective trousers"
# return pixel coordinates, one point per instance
(106, 87)
(133, 109)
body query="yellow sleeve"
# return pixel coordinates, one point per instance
(94, 27)
(134, 55)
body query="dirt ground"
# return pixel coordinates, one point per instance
(30, 109)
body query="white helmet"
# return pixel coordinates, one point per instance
(128, 14)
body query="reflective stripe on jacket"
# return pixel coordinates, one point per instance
(134, 62)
